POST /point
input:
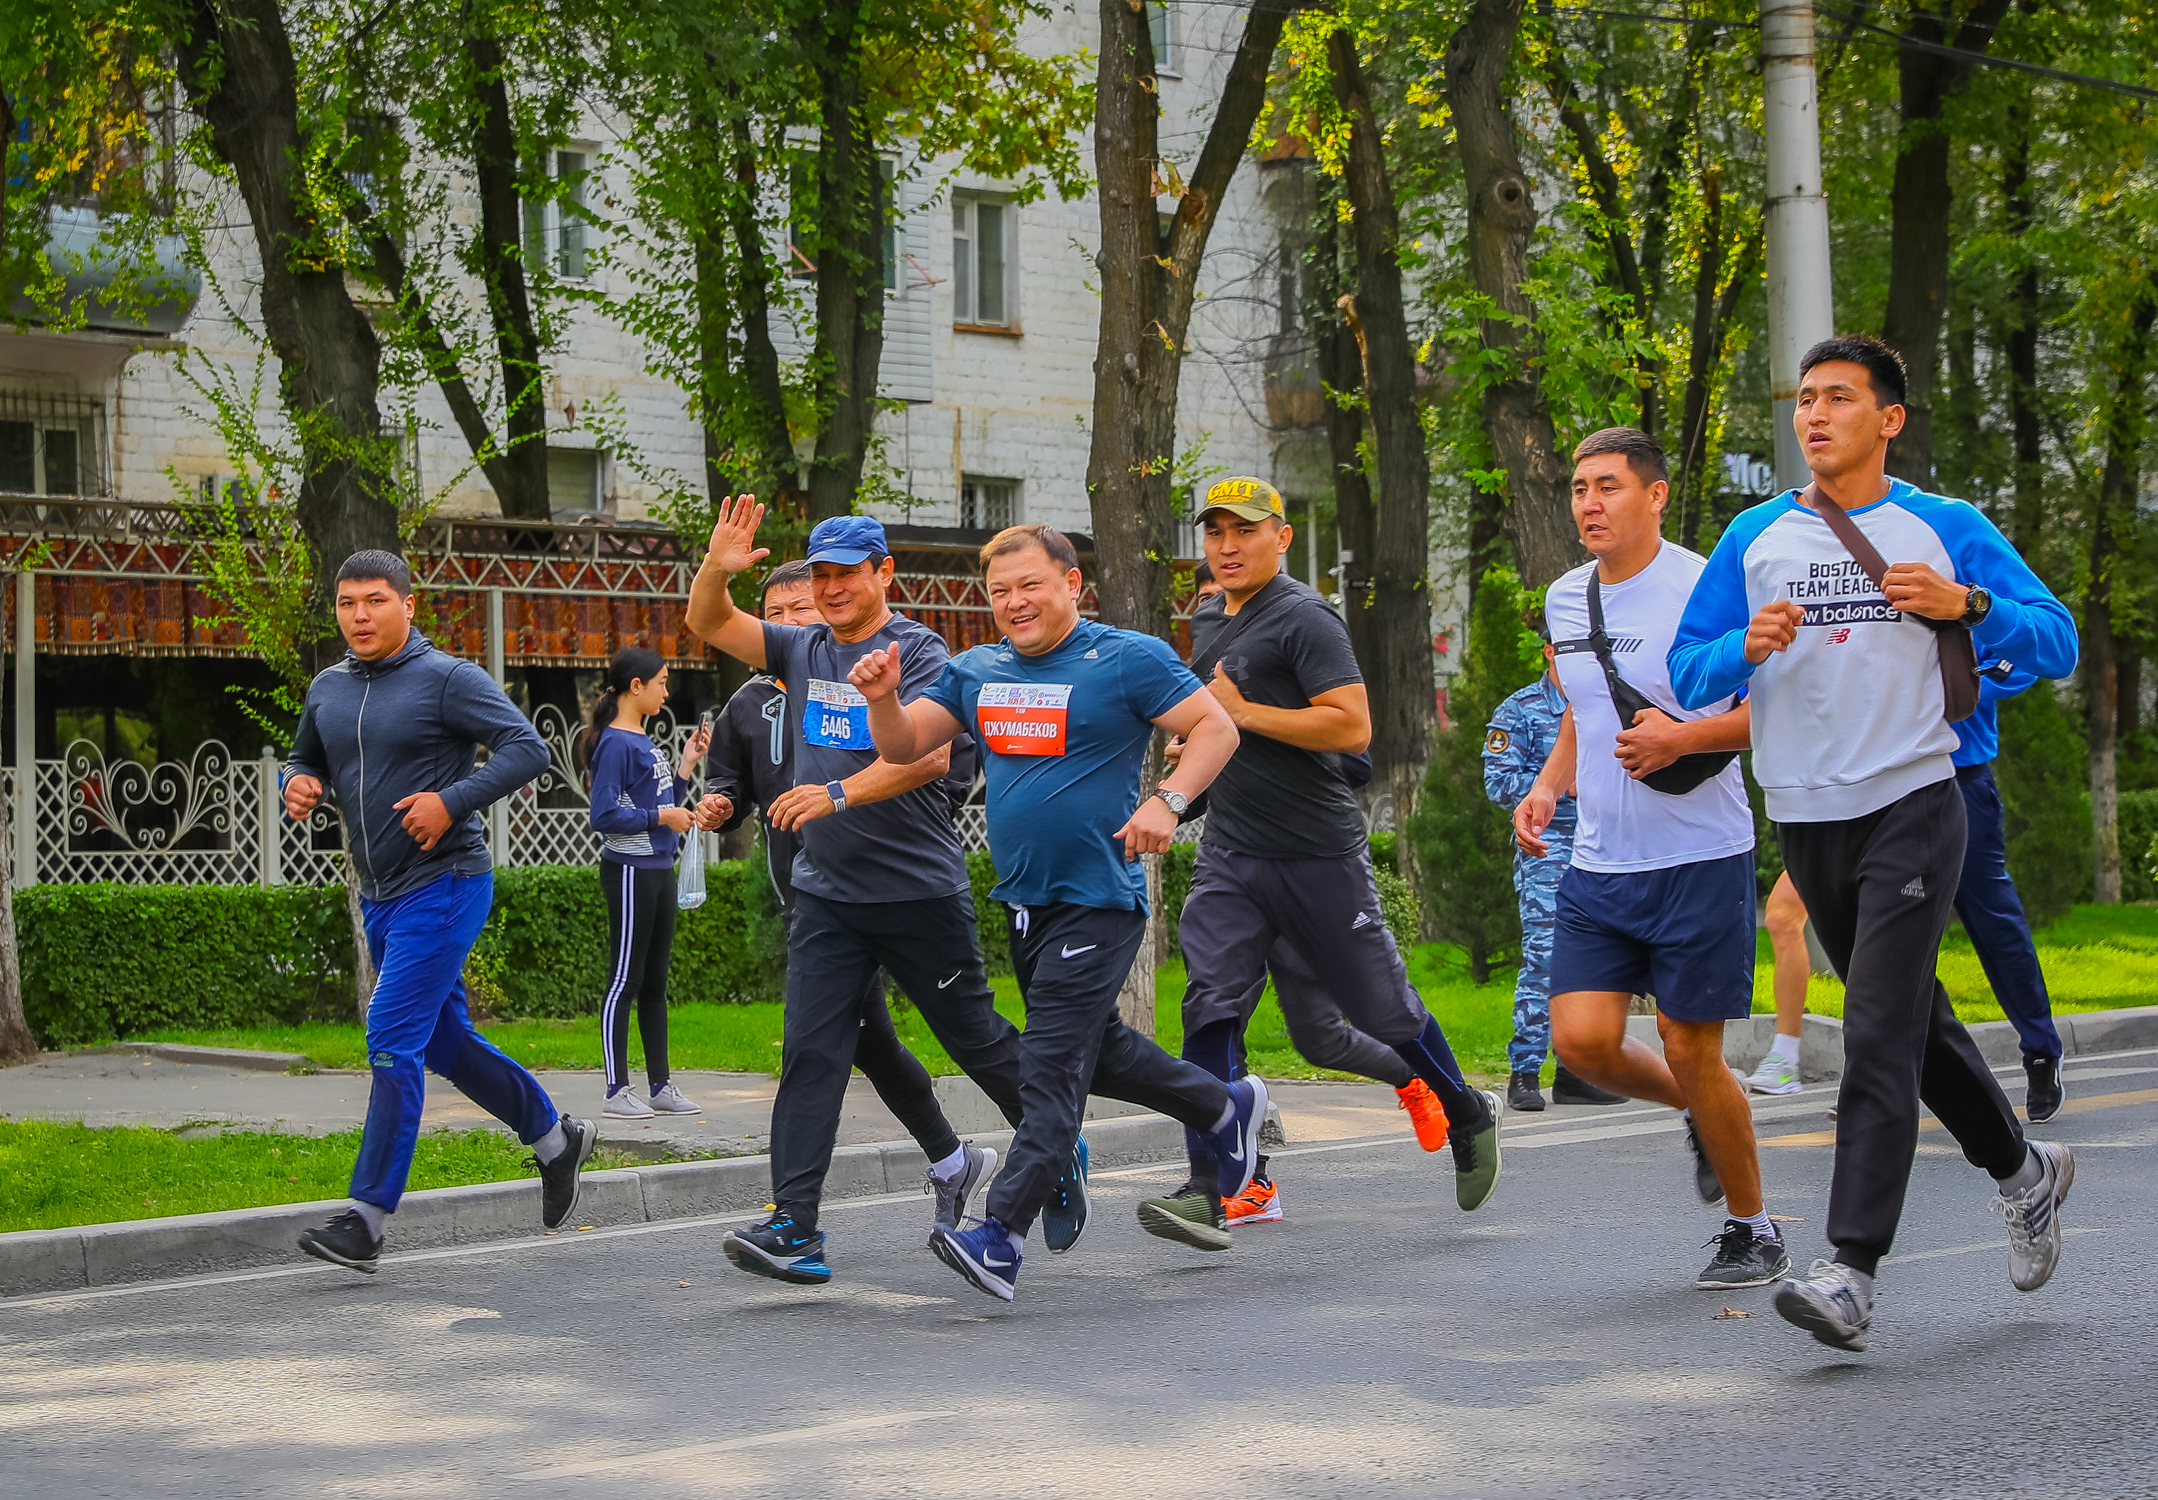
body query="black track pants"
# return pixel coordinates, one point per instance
(1879, 889)
(640, 920)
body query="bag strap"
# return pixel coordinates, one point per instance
(1600, 643)
(1863, 552)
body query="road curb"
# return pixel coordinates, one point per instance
(92, 1255)
(1820, 1051)
(222, 1057)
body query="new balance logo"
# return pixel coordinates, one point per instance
(1363, 919)
(1916, 887)
(1839, 635)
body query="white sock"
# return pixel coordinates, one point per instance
(1018, 1242)
(1758, 1223)
(551, 1145)
(2026, 1176)
(374, 1217)
(1228, 1116)
(1784, 1049)
(951, 1166)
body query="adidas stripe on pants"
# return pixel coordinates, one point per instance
(1879, 889)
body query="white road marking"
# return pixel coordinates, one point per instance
(1904, 1260)
(699, 1450)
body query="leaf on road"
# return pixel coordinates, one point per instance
(1731, 1312)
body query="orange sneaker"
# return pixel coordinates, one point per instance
(1258, 1204)
(1425, 1113)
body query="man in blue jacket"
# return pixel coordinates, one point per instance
(1987, 903)
(1854, 754)
(393, 730)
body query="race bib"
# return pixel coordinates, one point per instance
(836, 716)
(1023, 718)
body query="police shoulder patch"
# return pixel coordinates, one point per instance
(1496, 742)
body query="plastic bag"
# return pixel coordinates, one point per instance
(689, 872)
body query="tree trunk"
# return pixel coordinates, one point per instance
(2116, 501)
(1145, 304)
(1919, 200)
(2128, 691)
(17, 1043)
(752, 294)
(850, 267)
(1502, 220)
(1403, 689)
(1135, 1002)
(236, 64)
(500, 254)
(2021, 341)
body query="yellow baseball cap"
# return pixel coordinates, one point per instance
(1250, 499)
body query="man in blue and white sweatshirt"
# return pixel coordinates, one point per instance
(1853, 751)
(393, 731)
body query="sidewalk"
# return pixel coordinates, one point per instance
(123, 1088)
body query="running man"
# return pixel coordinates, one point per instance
(1659, 898)
(1285, 861)
(1522, 733)
(1064, 709)
(394, 728)
(751, 761)
(1855, 753)
(879, 879)
(1784, 915)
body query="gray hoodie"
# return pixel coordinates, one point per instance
(375, 732)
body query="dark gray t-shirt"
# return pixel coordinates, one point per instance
(903, 849)
(1283, 648)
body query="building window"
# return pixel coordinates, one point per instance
(51, 445)
(1163, 24)
(988, 504)
(573, 484)
(555, 227)
(981, 244)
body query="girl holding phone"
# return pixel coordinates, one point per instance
(640, 805)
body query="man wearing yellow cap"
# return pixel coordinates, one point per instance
(1284, 866)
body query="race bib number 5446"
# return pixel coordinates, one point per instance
(836, 716)
(1023, 718)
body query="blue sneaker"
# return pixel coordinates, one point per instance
(776, 1248)
(1064, 1215)
(982, 1254)
(1236, 1145)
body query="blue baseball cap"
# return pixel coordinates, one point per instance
(847, 540)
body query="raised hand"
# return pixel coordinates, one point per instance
(734, 538)
(876, 676)
(699, 741)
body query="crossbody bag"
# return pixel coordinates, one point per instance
(1958, 652)
(1683, 774)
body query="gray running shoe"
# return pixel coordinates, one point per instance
(1744, 1258)
(624, 1104)
(1774, 1076)
(952, 1196)
(1833, 1303)
(2034, 1220)
(1476, 1159)
(1191, 1216)
(1705, 1181)
(669, 1101)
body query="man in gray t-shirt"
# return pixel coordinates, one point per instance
(880, 879)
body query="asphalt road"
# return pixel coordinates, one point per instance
(1379, 1342)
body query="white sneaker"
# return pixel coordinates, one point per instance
(624, 1104)
(1774, 1076)
(1832, 1302)
(2034, 1221)
(669, 1101)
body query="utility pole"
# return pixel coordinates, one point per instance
(1801, 301)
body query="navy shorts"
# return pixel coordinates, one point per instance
(1683, 934)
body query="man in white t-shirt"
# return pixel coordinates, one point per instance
(1659, 898)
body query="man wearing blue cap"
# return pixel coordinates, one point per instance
(879, 879)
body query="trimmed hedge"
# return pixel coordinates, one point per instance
(107, 960)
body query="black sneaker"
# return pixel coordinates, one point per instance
(2042, 1100)
(1568, 1088)
(1522, 1093)
(1192, 1216)
(344, 1241)
(1744, 1258)
(561, 1179)
(1704, 1176)
(777, 1248)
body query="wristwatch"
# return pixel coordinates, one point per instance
(1177, 802)
(1977, 604)
(837, 791)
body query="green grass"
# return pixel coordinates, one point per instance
(54, 1174)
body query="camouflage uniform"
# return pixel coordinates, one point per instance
(1519, 740)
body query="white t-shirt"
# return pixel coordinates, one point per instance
(1625, 825)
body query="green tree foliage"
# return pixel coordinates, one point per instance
(2047, 803)
(1463, 840)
